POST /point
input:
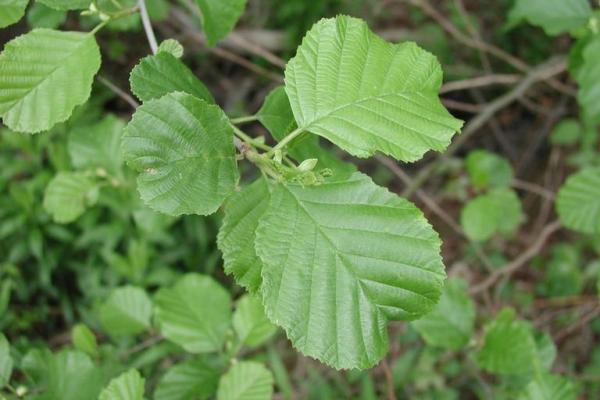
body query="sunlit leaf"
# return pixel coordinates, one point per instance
(246, 380)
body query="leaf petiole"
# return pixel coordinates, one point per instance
(284, 142)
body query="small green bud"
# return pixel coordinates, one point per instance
(308, 164)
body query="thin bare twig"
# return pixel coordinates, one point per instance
(119, 92)
(148, 26)
(518, 262)
(486, 80)
(533, 188)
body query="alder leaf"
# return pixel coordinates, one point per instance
(219, 17)
(84, 339)
(366, 95)
(171, 46)
(163, 73)
(578, 201)
(11, 11)
(195, 313)
(127, 311)
(183, 149)
(41, 16)
(554, 16)
(250, 323)
(44, 75)
(243, 211)
(246, 380)
(340, 260)
(127, 386)
(65, 5)
(190, 380)
(450, 324)
(68, 194)
(508, 346)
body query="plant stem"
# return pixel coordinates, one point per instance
(249, 140)
(291, 136)
(148, 26)
(241, 120)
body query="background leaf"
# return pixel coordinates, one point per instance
(366, 95)
(6, 361)
(250, 322)
(246, 380)
(127, 386)
(127, 311)
(44, 75)
(195, 313)
(588, 77)
(84, 339)
(498, 211)
(183, 149)
(554, 16)
(190, 380)
(97, 145)
(508, 346)
(68, 194)
(549, 387)
(488, 170)
(450, 324)
(341, 259)
(11, 11)
(219, 17)
(66, 4)
(163, 73)
(578, 201)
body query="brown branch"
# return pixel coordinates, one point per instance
(511, 267)
(486, 80)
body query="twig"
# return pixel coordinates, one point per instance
(533, 188)
(119, 92)
(518, 262)
(554, 66)
(517, 63)
(570, 329)
(389, 378)
(486, 80)
(148, 26)
(462, 106)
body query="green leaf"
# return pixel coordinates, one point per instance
(246, 380)
(127, 386)
(546, 350)
(566, 132)
(549, 387)
(450, 324)
(44, 75)
(276, 115)
(97, 145)
(163, 73)
(66, 4)
(195, 313)
(68, 194)
(562, 274)
(41, 16)
(488, 170)
(183, 149)
(219, 17)
(578, 201)
(191, 380)
(84, 339)
(6, 361)
(250, 322)
(342, 258)
(588, 77)
(67, 375)
(171, 46)
(554, 16)
(498, 211)
(11, 11)
(243, 211)
(366, 95)
(508, 346)
(127, 311)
